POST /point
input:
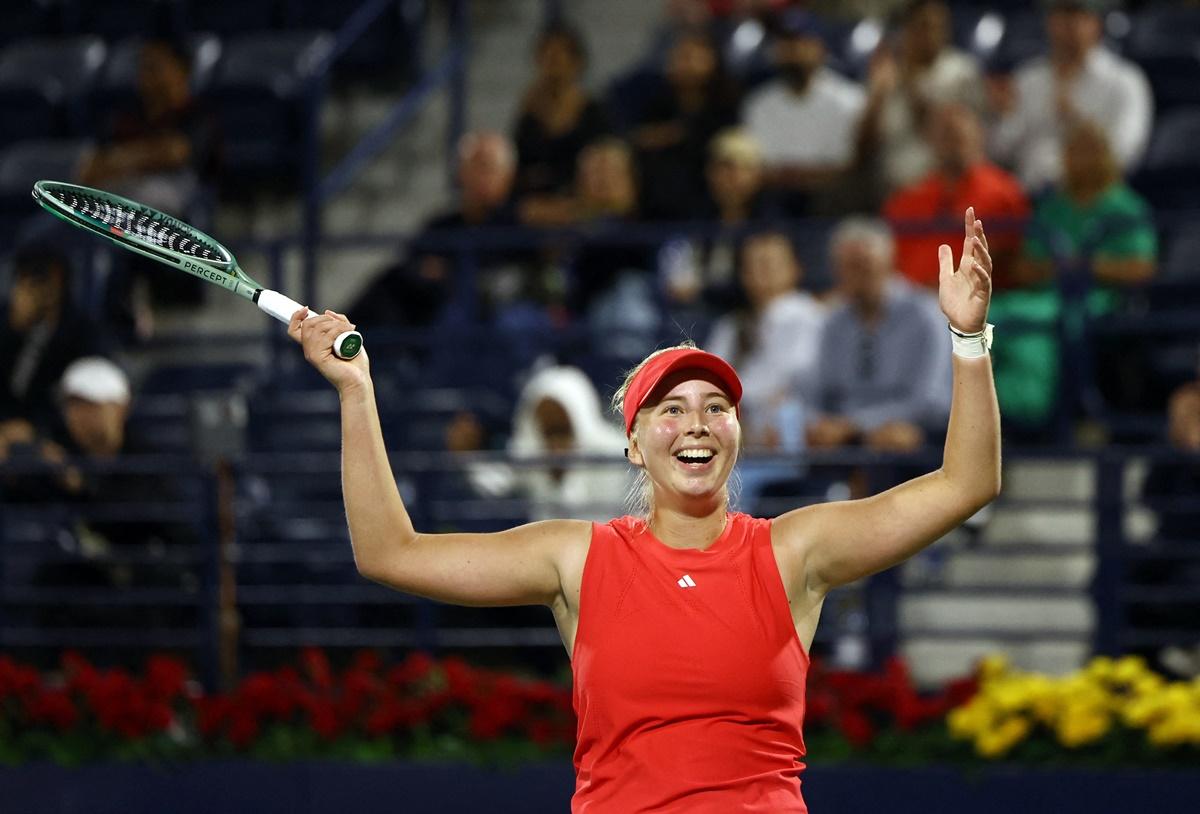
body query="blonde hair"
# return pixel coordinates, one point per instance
(736, 144)
(639, 500)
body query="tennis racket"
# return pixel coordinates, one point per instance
(170, 241)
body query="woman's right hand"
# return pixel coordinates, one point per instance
(316, 335)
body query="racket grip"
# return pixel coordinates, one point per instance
(277, 305)
(345, 346)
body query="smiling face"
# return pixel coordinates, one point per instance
(687, 440)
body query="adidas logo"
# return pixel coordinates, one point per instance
(686, 581)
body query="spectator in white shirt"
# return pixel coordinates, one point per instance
(916, 70)
(1079, 79)
(806, 121)
(773, 342)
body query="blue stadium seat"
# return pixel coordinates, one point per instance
(28, 20)
(1165, 41)
(114, 19)
(390, 44)
(264, 90)
(1173, 78)
(306, 420)
(23, 163)
(42, 83)
(189, 378)
(1164, 31)
(232, 17)
(160, 423)
(1170, 173)
(1181, 252)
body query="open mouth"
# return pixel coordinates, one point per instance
(695, 458)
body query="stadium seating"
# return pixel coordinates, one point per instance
(114, 19)
(117, 84)
(1170, 172)
(25, 162)
(197, 377)
(1166, 43)
(232, 17)
(1165, 30)
(29, 20)
(1181, 252)
(42, 83)
(388, 50)
(265, 93)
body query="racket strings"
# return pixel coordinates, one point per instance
(141, 224)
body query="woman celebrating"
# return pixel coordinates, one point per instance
(688, 627)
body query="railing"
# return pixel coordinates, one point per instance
(1169, 313)
(264, 561)
(450, 71)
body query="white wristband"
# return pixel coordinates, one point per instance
(971, 346)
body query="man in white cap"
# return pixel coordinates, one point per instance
(94, 400)
(95, 404)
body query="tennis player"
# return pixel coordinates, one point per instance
(688, 627)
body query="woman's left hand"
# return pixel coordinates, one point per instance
(964, 293)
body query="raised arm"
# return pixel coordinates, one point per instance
(516, 567)
(837, 543)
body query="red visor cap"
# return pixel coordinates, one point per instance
(663, 365)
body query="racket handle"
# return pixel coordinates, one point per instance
(345, 346)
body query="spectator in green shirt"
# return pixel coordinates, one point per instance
(1088, 242)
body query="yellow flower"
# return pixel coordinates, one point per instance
(1149, 684)
(1010, 694)
(999, 740)
(1046, 707)
(1141, 712)
(1177, 697)
(1082, 725)
(1128, 669)
(1080, 708)
(1173, 731)
(1101, 668)
(969, 720)
(993, 666)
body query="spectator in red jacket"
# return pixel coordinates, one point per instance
(925, 214)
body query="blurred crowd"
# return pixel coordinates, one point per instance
(836, 328)
(753, 182)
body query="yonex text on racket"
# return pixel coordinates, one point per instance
(170, 241)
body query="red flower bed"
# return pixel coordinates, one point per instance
(418, 708)
(863, 708)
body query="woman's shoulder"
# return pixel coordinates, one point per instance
(749, 521)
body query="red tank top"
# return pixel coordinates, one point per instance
(689, 676)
